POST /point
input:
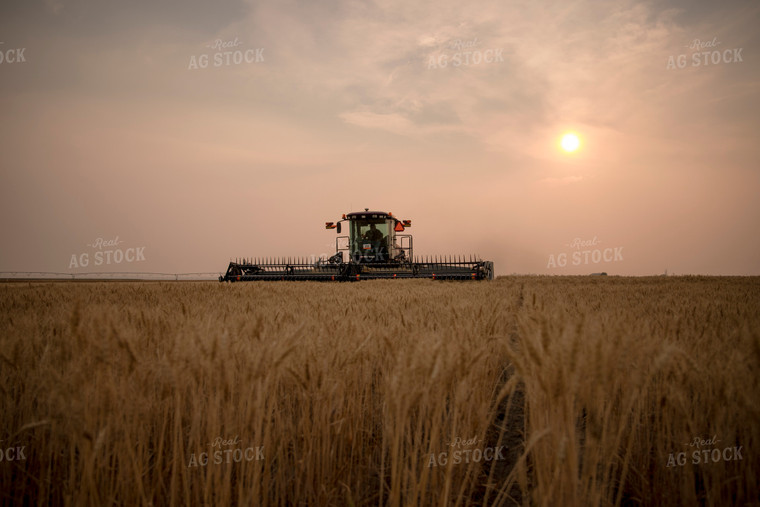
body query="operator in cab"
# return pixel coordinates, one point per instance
(373, 234)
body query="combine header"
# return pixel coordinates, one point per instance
(375, 249)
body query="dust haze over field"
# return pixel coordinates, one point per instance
(522, 390)
(114, 127)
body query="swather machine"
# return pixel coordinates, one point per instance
(375, 247)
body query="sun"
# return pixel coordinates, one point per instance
(570, 142)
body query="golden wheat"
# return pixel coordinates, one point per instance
(587, 391)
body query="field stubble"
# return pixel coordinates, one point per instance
(585, 390)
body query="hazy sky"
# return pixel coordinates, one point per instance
(112, 127)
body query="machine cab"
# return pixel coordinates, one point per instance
(370, 236)
(373, 237)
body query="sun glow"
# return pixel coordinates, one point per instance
(570, 142)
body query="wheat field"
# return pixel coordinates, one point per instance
(519, 391)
